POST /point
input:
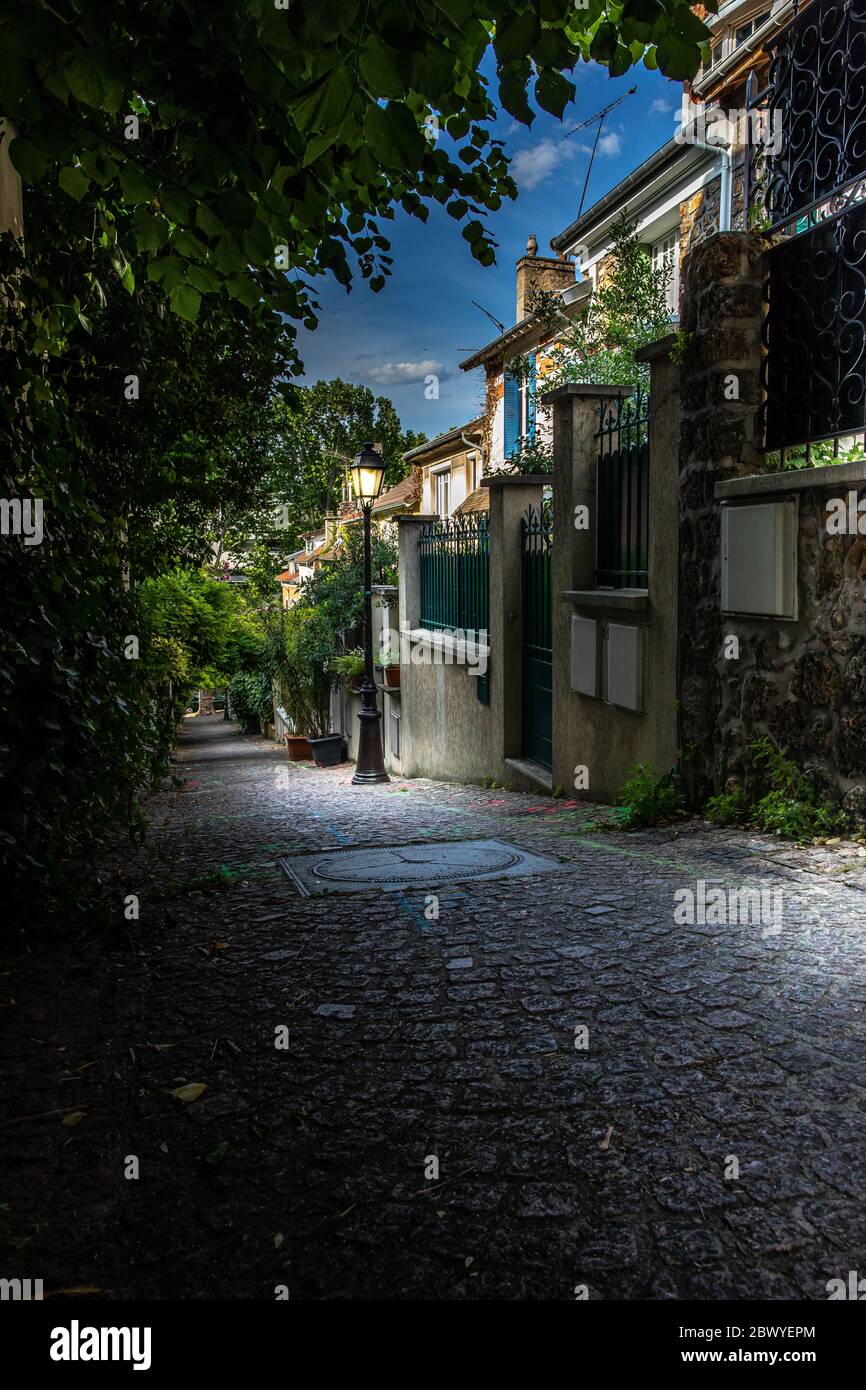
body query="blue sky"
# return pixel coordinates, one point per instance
(424, 321)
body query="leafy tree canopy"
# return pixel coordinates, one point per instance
(247, 140)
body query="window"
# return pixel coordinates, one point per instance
(667, 252)
(746, 30)
(519, 407)
(443, 492)
(472, 478)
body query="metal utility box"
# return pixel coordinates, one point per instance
(625, 666)
(584, 656)
(759, 559)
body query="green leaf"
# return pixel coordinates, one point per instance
(553, 92)
(318, 145)
(676, 58)
(394, 136)
(30, 161)
(74, 182)
(379, 69)
(207, 220)
(151, 229)
(650, 60)
(512, 94)
(185, 301)
(237, 208)
(685, 22)
(620, 62)
(327, 105)
(515, 37)
(136, 186)
(604, 42)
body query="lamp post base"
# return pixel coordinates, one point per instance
(370, 767)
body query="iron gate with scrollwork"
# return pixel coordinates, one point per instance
(537, 691)
(805, 182)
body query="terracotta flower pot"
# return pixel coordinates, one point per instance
(299, 748)
(392, 677)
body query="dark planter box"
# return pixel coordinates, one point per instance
(327, 751)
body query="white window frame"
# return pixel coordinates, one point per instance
(668, 246)
(438, 476)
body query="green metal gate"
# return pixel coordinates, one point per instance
(537, 708)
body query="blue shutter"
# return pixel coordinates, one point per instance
(512, 413)
(530, 398)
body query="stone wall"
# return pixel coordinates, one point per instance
(722, 308)
(802, 682)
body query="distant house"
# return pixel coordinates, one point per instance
(692, 186)
(402, 499)
(450, 467)
(510, 419)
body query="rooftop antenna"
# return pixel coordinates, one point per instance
(492, 318)
(599, 116)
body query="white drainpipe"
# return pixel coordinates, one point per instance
(725, 181)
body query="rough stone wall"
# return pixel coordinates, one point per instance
(804, 683)
(722, 309)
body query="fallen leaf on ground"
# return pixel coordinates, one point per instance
(74, 1117)
(278, 1240)
(192, 1091)
(605, 1143)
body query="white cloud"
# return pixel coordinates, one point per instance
(610, 143)
(663, 106)
(402, 373)
(531, 165)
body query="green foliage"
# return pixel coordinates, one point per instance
(316, 437)
(301, 652)
(645, 799)
(350, 664)
(251, 700)
(278, 138)
(272, 146)
(818, 455)
(627, 311)
(782, 799)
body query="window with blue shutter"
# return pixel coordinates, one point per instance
(512, 413)
(530, 398)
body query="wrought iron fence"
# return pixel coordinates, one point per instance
(805, 180)
(622, 493)
(806, 129)
(455, 574)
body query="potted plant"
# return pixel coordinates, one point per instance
(306, 679)
(350, 665)
(389, 661)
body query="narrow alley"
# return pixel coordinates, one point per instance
(520, 1086)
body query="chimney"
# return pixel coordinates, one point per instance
(536, 272)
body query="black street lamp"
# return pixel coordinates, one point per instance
(368, 472)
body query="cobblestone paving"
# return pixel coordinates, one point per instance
(451, 1038)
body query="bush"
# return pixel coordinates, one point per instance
(644, 799)
(783, 801)
(250, 700)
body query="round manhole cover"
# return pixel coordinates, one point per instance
(409, 863)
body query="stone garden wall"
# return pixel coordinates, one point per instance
(803, 682)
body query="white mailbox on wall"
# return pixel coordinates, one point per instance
(625, 666)
(759, 559)
(584, 656)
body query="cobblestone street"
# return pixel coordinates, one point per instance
(712, 1049)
